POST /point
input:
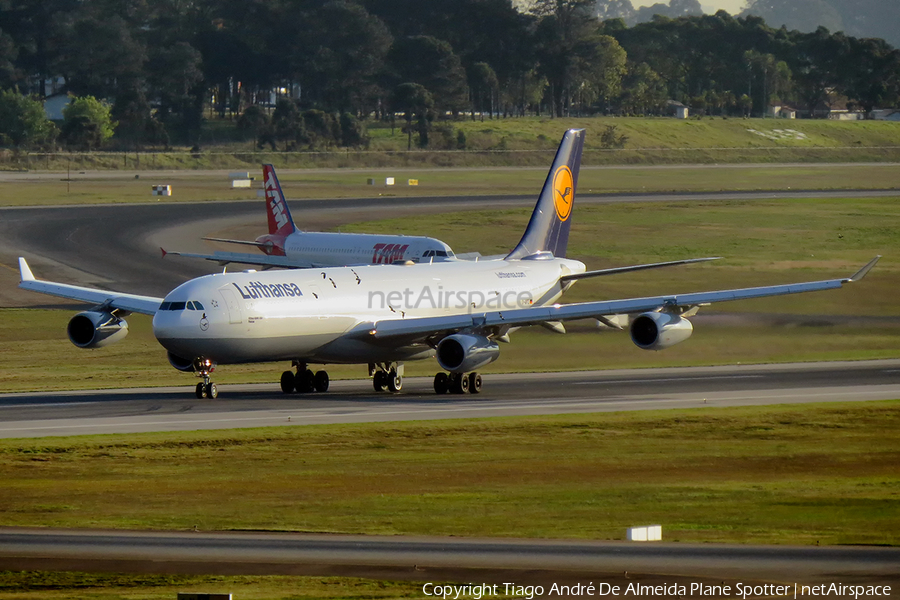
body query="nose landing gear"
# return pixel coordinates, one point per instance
(206, 388)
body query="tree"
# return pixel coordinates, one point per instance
(287, 124)
(871, 74)
(643, 91)
(97, 54)
(414, 101)
(87, 123)
(803, 15)
(568, 41)
(23, 123)
(484, 87)
(347, 50)
(614, 9)
(431, 63)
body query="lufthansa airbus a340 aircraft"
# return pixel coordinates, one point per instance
(286, 246)
(383, 315)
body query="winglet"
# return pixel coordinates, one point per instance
(163, 250)
(25, 271)
(859, 274)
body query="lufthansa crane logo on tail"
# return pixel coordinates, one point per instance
(563, 192)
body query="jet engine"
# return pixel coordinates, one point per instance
(464, 353)
(93, 329)
(659, 330)
(182, 364)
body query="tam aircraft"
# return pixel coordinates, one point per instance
(383, 315)
(286, 246)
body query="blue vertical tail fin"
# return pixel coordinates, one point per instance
(548, 229)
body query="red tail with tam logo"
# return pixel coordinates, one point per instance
(280, 221)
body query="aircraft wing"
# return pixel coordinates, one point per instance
(260, 260)
(617, 270)
(114, 300)
(422, 328)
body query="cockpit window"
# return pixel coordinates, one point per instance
(198, 306)
(177, 306)
(164, 306)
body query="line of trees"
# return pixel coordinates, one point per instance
(162, 65)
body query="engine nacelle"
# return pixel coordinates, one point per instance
(658, 330)
(182, 364)
(92, 329)
(464, 353)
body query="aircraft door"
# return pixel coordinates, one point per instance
(231, 302)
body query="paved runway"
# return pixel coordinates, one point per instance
(176, 409)
(433, 559)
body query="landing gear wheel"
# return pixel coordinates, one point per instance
(379, 381)
(212, 391)
(441, 383)
(474, 383)
(320, 381)
(288, 383)
(201, 390)
(305, 381)
(394, 381)
(459, 383)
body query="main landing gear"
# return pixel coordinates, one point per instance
(457, 383)
(206, 388)
(304, 381)
(387, 377)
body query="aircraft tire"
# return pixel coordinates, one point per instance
(441, 383)
(320, 382)
(200, 391)
(459, 383)
(394, 381)
(475, 383)
(379, 381)
(305, 382)
(212, 391)
(287, 382)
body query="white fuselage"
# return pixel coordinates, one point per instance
(328, 249)
(320, 315)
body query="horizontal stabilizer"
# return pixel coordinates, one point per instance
(242, 242)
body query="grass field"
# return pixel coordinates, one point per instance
(187, 186)
(825, 473)
(48, 585)
(530, 141)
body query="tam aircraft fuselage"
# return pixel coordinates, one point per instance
(329, 249)
(316, 315)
